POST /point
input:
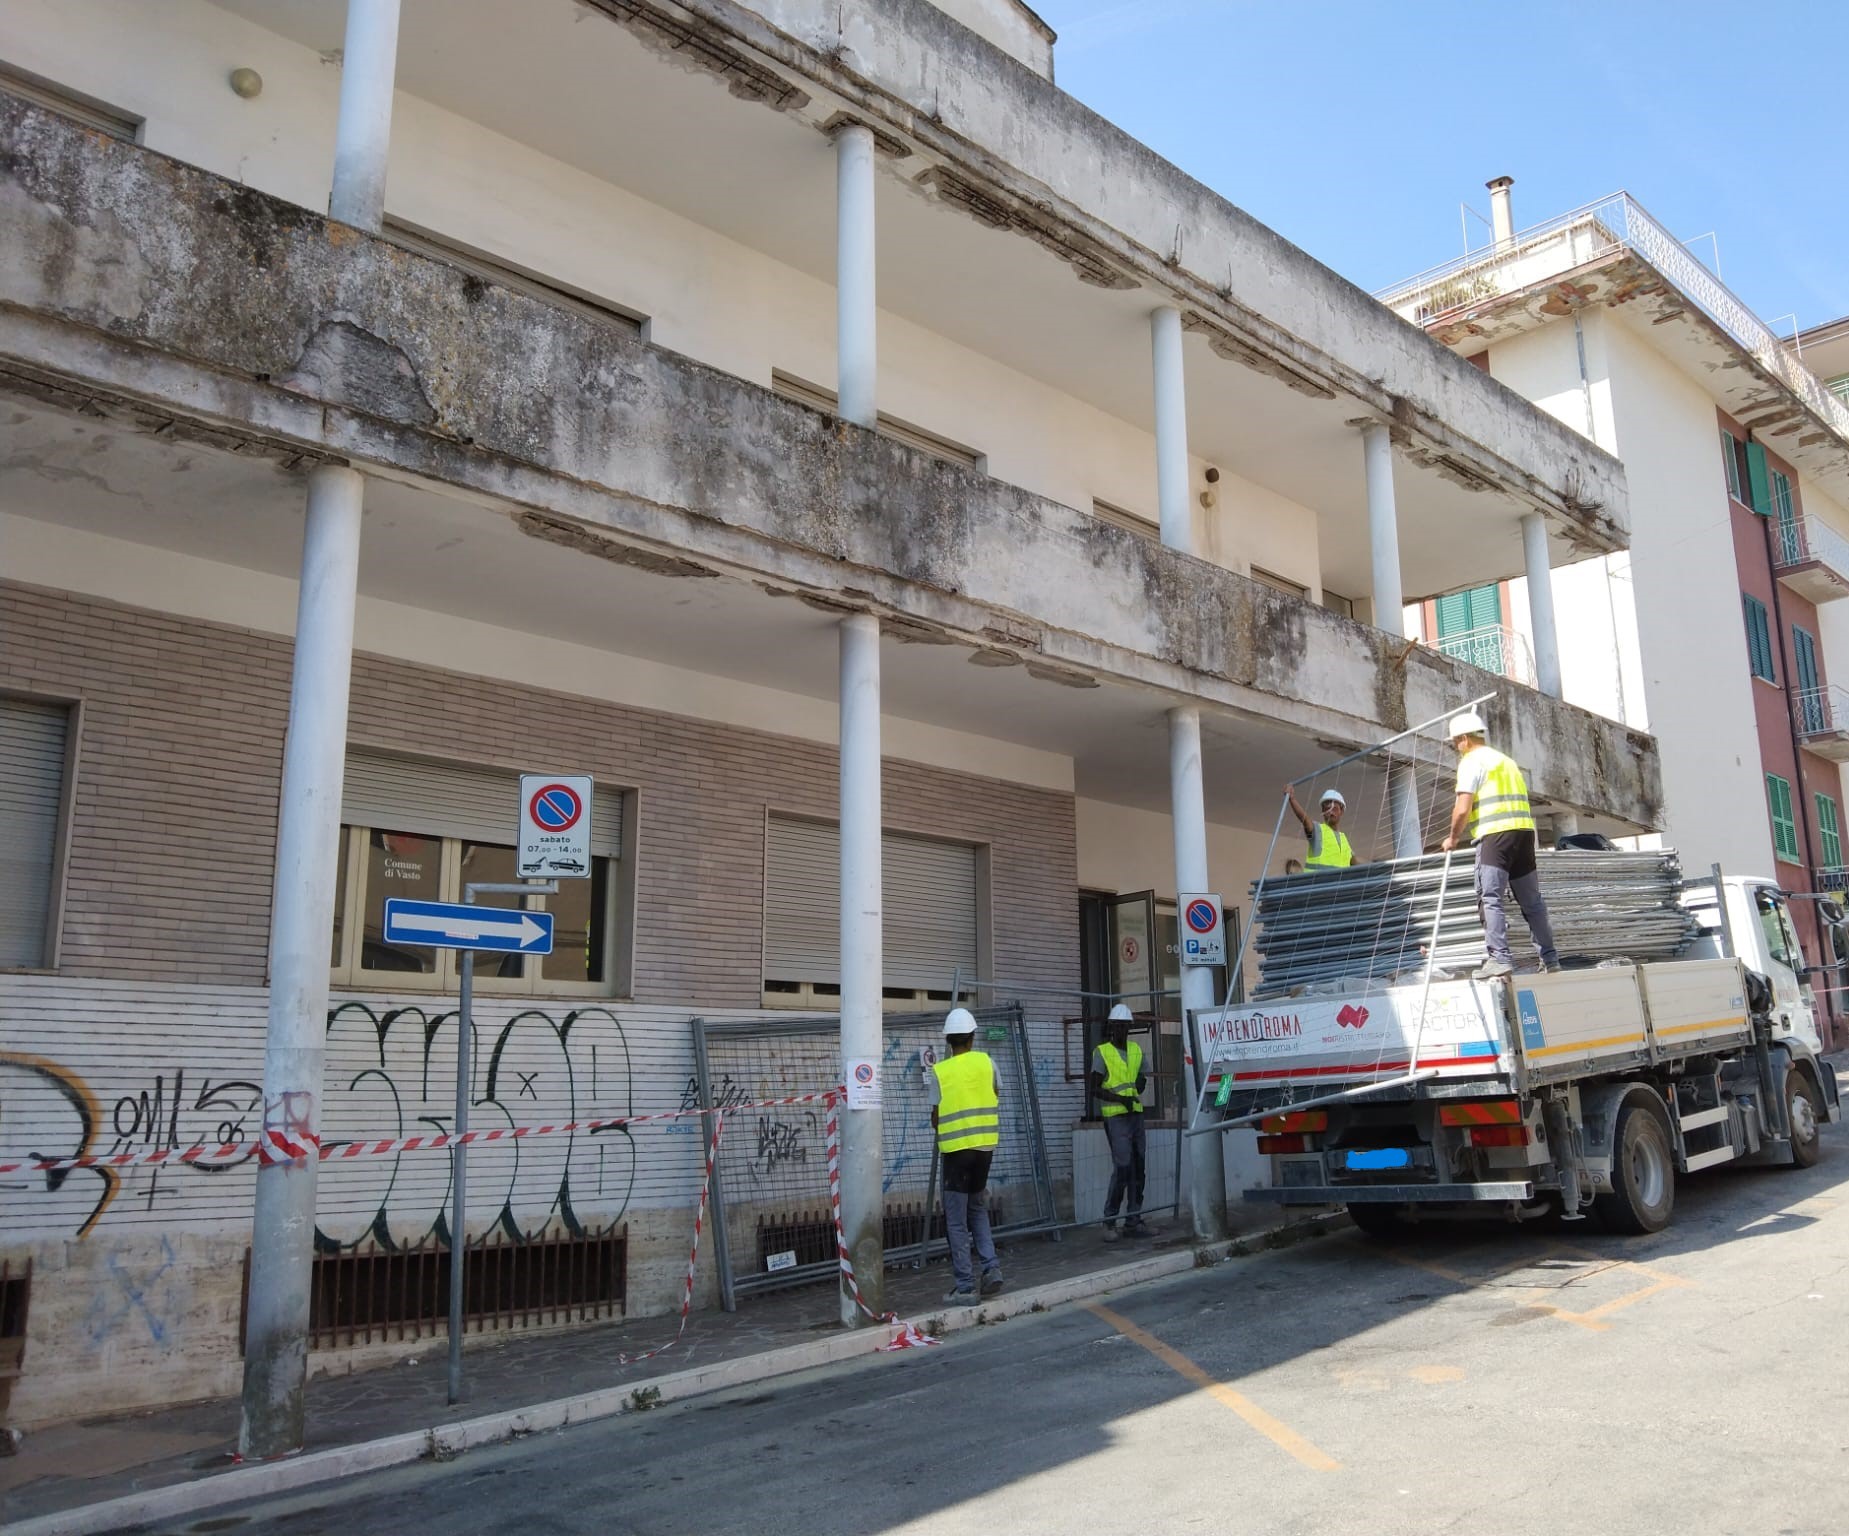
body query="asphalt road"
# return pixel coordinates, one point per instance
(1477, 1380)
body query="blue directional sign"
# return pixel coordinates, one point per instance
(452, 925)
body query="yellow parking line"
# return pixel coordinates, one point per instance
(1280, 1435)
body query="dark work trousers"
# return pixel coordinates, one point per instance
(1128, 1148)
(966, 1214)
(1505, 864)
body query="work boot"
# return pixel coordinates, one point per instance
(1134, 1227)
(1552, 967)
(1493, 969)
(1111, 1233)
(960, 1296)
(992, 1282)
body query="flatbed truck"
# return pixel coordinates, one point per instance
(1544, 1094)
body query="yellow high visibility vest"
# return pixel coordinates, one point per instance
(1120, 1073)
(968, 1112)
(1330, 850)
(1501, 804)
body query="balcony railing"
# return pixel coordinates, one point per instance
(1822, 718)
(1572, 239)
(1494, 648)
(1809, 540)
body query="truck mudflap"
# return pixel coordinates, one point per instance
(1389, 1194)
(1832, 1095)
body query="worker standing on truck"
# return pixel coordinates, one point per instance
(966, 1096)
(1329, 849)
(1117, 1080)
(1492, 798)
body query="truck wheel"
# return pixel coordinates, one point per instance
(1643, 1174)
(1380, 1222)
(1803, 1115)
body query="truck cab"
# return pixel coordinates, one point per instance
(1755, 926)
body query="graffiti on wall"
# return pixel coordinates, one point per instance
(390, 1071)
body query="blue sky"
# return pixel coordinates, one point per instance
(1356, 127)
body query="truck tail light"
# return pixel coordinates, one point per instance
(1474, 1112)
(1499, 1135)
(1270, 1146)
(1301, 1120)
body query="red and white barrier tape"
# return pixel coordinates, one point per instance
(905, 1335)
(297, 1145)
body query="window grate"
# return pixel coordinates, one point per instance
(377, 1295)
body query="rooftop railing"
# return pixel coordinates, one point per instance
(1570, 240)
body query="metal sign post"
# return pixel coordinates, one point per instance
(459, 1152)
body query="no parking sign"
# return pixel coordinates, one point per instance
(555, 826)
(1203, 934)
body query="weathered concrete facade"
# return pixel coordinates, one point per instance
(610, 523)
(129, 279)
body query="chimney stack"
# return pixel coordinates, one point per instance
(1501, 211)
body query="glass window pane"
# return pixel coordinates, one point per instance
(581, 912)
(493, 863)
(340, 895)
(404, 865)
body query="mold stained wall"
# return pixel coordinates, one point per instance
(705, 295)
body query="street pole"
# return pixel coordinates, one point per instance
(459, 1151)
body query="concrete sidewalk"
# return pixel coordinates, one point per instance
(102, 1474)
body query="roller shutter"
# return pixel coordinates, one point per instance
(411, 794)
(33, 739)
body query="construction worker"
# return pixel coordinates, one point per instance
(966, 1097)
(1492, 800)
(1329, 849)
(1117, 1080)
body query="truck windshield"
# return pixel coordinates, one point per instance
(1780, 944)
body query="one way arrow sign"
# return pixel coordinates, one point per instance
(452, 925)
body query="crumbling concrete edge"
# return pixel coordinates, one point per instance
(443, 1442)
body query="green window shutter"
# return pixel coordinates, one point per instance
(1830, 836)
(1760, 478)
(1758, 638)
(1453, 614)
(1784, 825)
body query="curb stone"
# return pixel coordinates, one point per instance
(445, 1442)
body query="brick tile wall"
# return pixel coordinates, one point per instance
(180, 761)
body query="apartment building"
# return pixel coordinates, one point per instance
(1720, 628)
(883, 476)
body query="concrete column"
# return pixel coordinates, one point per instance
(1403, 806)
(1541, 603)
(1175, 512)
(862, 1013)
(301, 918)
(1187, 800)
(856, 316)
(362, 140)
(1383, 527)
(1188, 810)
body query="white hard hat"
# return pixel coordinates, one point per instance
(1333, 794)
(959, 1021)
(1470, 723)
(1121, 1011)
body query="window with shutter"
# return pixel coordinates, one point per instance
(1758, 480)
(1829, 834)
(1784, 824)
(423, 830)
(34, 748)
(1758, 638)
(929, 933)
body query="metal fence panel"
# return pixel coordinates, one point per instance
(771, 1183)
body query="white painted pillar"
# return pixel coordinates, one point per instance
(1383, 527)
(856, 316)
(862, 1012)
(301, 918)
(1188, 810)
(362, 141)
(1187, 798)
(1541, 603)
(1175, 513)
